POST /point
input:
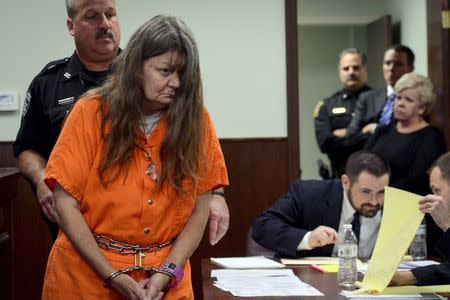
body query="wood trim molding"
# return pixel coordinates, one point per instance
(293, 151)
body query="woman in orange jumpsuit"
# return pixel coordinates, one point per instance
(132, 173)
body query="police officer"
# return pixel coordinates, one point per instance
(333, 115)
(94, 26)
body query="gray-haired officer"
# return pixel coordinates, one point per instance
(52, 93)
(333, 114)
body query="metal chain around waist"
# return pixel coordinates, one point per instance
(124, 248)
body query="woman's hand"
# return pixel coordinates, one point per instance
(129, 288)
(155, 285)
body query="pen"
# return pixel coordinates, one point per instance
(317, 268)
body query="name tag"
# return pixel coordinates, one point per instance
(339, 110)
(65, 101)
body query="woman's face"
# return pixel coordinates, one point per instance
(161, 79)
(408, 105)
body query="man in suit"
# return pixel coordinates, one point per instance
(307, 220)
(438, 206)
(375, 107)
(333, 114)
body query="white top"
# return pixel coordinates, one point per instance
(150, 122)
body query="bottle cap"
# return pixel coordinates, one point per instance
(347, 226)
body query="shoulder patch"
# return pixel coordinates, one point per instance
(26, 103)
(317, 109)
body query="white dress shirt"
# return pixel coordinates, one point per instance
(368, 233)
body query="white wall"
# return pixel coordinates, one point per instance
(319, 47)
(411, 15)
(324, 10)
(242, 54)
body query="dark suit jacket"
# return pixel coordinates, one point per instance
(308, 204)
(367, 110)
(436, 274)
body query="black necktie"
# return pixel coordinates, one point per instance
(356, 225)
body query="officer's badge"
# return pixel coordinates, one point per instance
(339, 110)
(26, 103)
(317, 109)
(66, 101)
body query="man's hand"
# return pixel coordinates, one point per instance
(321, 236)
(46, 201)
(32, 165)
(369, 128)
(403, 278)
(219, 219)
(438, 208)
(342, 132)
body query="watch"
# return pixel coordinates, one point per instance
(175, 270)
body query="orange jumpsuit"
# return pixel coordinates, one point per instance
(126, 210)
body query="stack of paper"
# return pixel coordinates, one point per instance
(260, 283)
(246, 262)
(310, 261)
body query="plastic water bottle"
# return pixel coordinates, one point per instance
(348, 255)
(418, 248)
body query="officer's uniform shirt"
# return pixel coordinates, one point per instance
(333, 113)
(51, 95)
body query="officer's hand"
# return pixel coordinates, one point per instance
(369, 128)
(342, 132)
(438, 208)
(321, 236)
(45, 198)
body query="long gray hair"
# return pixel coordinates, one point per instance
(123, 96)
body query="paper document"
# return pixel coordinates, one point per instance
(350, 295)
(411, 264)
(260, 283)
(401, 218)
(404, 265)
(246, 262)
(311, 261)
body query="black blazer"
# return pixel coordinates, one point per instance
(308, 204)
(436, 274)
(368, 109)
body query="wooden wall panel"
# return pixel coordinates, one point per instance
(257, 170)
(7, 159)
(31, 243)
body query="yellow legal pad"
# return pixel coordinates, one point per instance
(330, 268)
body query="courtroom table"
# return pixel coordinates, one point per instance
(325, 283)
